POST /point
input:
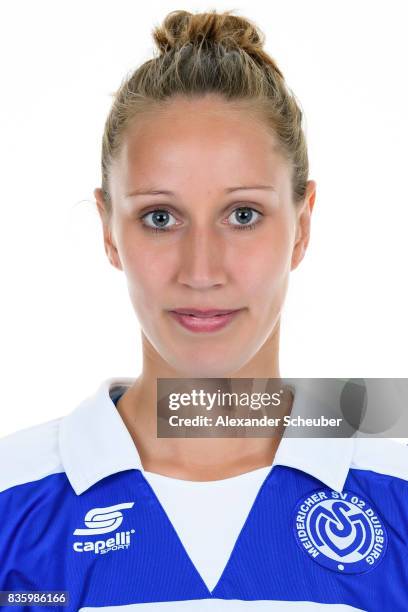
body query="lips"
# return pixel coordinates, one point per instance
(203, 313)
(205, 320)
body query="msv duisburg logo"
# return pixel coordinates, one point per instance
(340, 531)
(103, 520)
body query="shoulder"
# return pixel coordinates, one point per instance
(30, 454)
(381, 455)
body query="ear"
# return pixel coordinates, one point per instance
(109, 245)
(303, 224)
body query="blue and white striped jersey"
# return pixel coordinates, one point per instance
(327, 528)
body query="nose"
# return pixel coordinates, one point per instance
(202, 258)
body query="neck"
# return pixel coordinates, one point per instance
(195, 458)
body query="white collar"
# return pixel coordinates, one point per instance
(94, 443)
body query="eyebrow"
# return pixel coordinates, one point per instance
(143, 191)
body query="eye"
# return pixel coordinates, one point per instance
(161, 216)
(245, 214)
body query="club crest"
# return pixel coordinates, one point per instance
(341, 531)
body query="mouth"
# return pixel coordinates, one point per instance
(204, 320)
(196, 312)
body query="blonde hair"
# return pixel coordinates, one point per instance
(210, 52)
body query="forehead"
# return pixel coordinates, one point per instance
(193, 139)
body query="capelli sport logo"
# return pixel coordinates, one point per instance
(341, 531)
(104, 520)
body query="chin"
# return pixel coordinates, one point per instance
(208, 368)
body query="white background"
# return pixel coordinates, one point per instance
(66, 318)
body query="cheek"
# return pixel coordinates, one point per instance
(264, 266)
(147, 268)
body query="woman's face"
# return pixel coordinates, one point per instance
(211, 158)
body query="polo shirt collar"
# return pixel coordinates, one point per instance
(95, 443)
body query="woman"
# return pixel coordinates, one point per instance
(203, 144)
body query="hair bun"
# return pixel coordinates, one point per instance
(180, 28)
